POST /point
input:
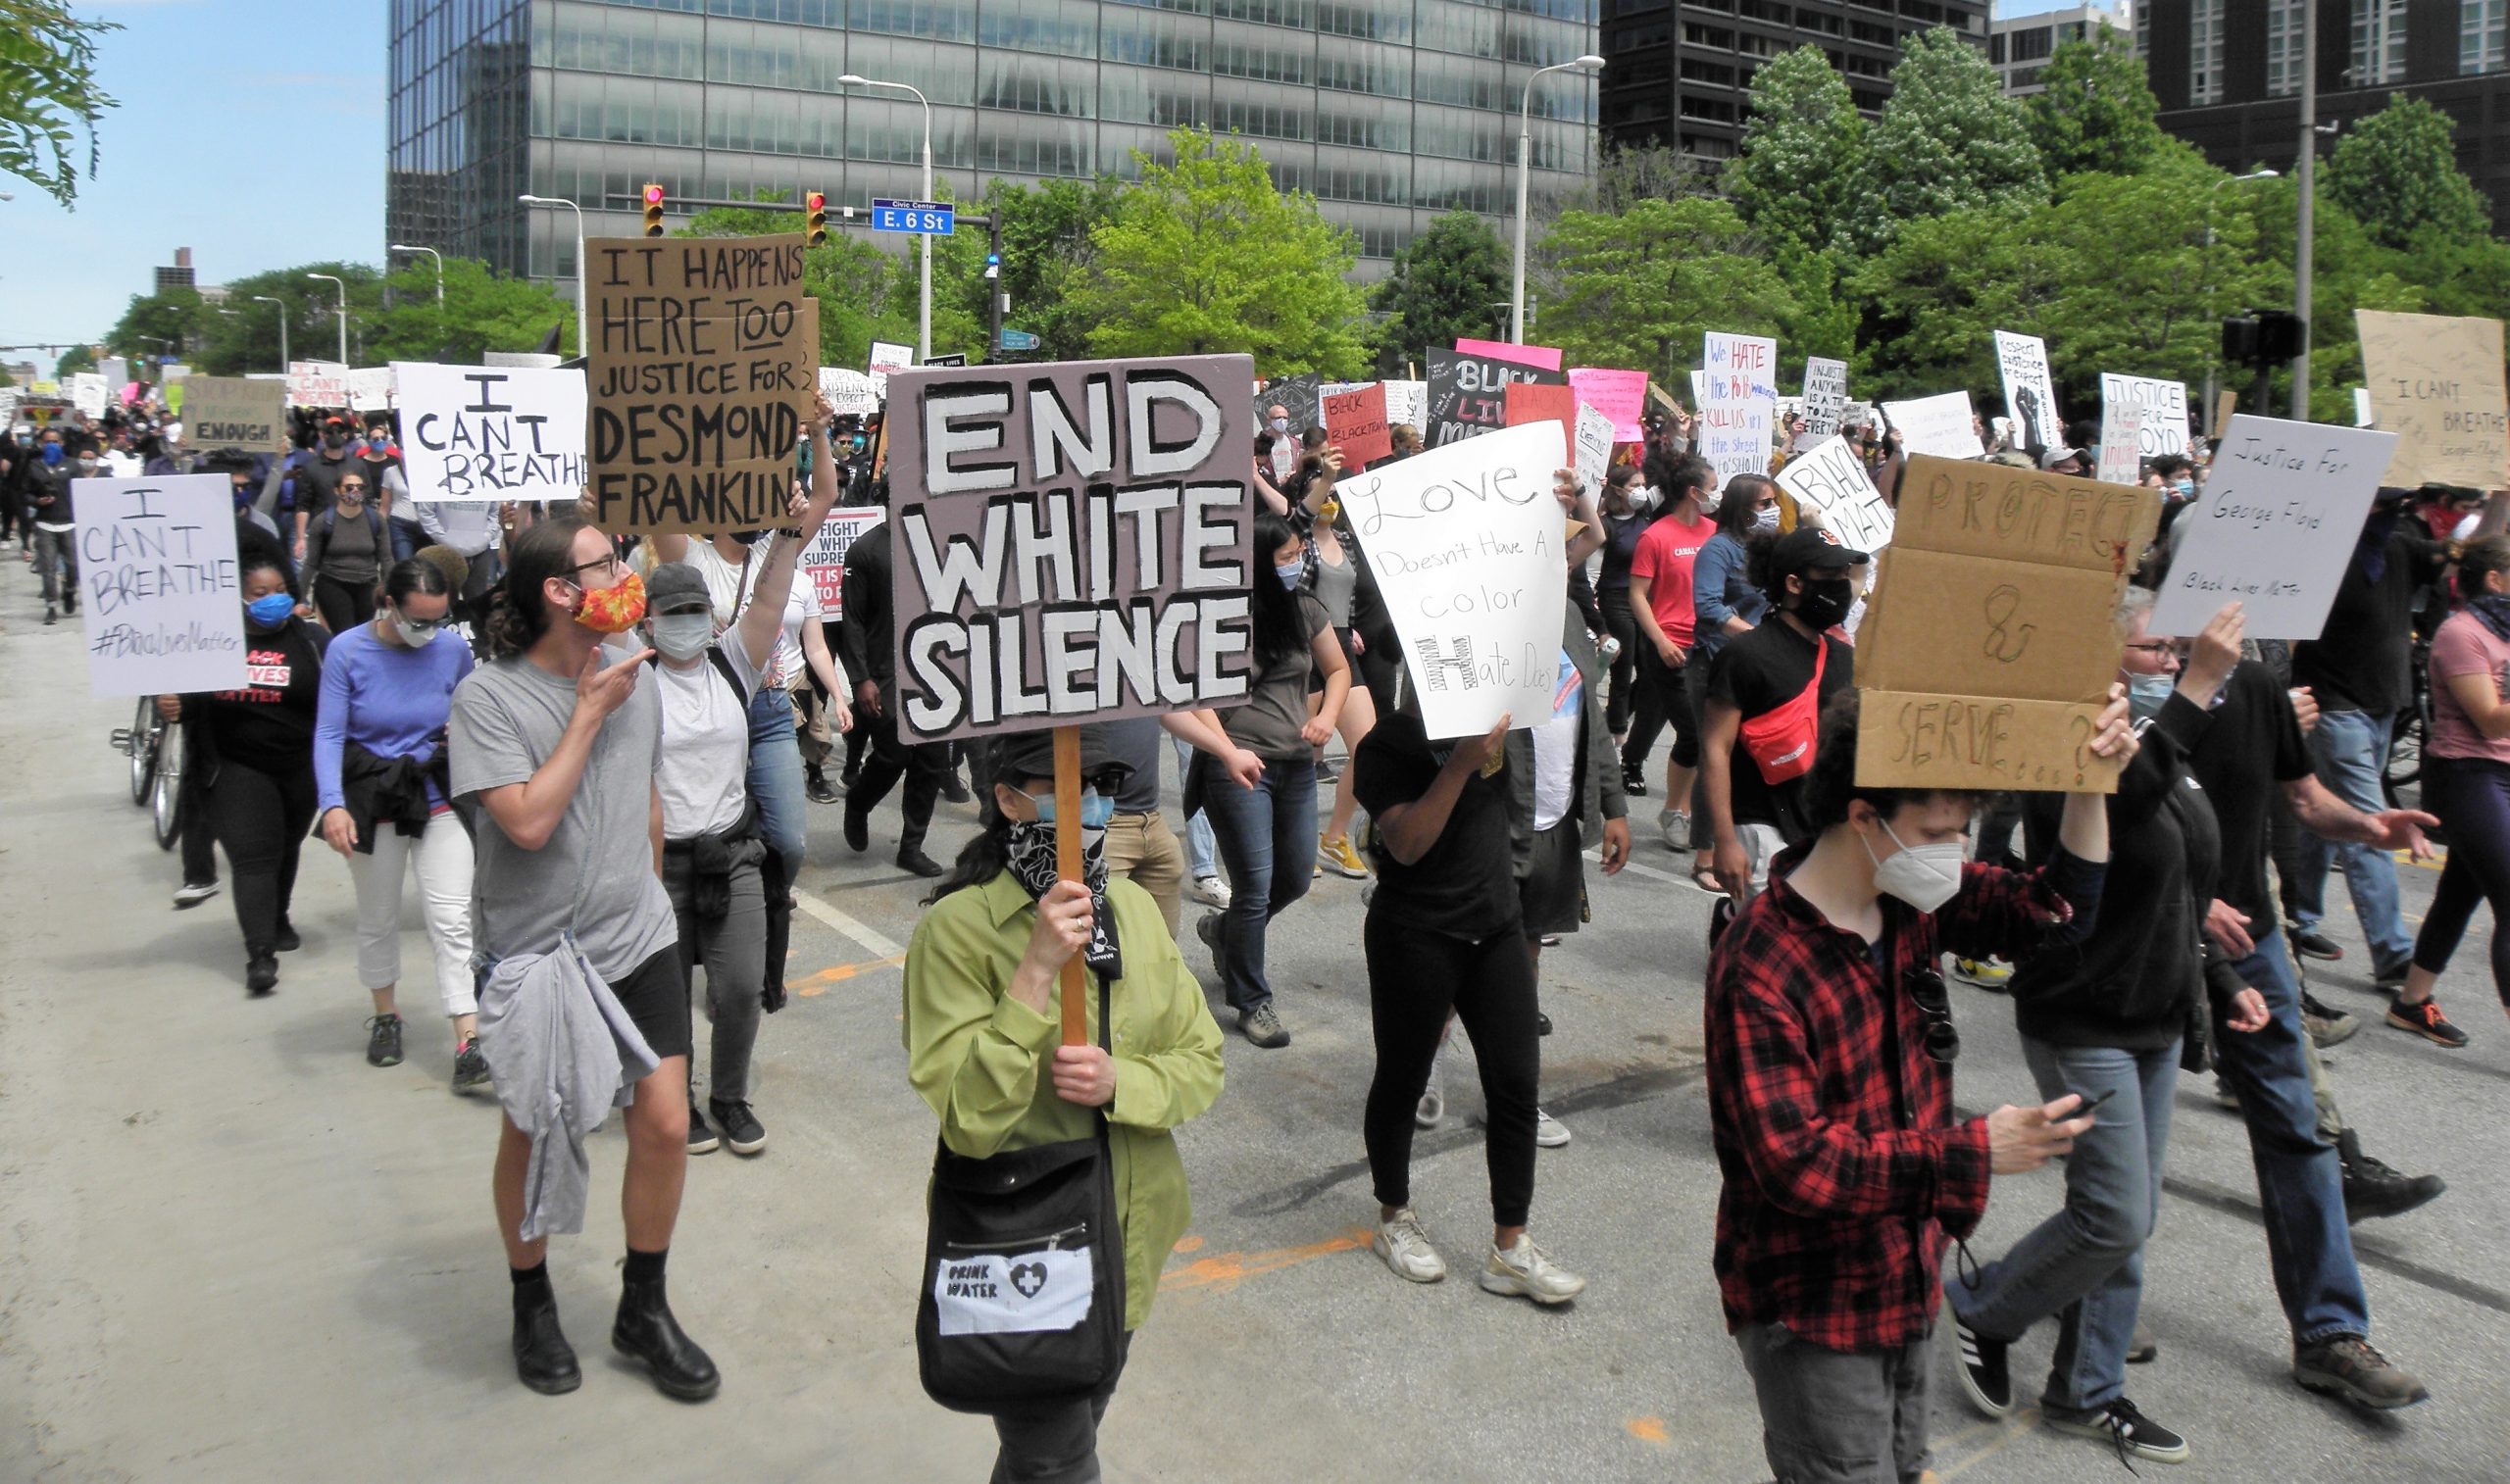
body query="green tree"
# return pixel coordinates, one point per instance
(2097, 111)
(1047, 250)
(1794, 179)
(1933, 298)
(1207, 255)
(78, 358)
(167, 323)
(1640, 289)
(853, 281)
(1444, 285)
(49, 94)
(1949, 141)
(2397, 173)
(483, 310)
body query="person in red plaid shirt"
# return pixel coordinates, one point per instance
(1830, 1082)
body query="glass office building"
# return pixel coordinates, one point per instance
(1390, 110)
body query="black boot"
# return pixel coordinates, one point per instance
(2372, 1189)
(647, 1331)
(777, 879)
(542, 1358)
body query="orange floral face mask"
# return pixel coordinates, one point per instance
(613, 610)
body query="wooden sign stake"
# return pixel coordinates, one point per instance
(1076, 973)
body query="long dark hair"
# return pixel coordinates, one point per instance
(2479, 560)
(985, 856)
(517, 614)
(411, 578)
(1673, 474)
(1278, 634)
(1734, 514)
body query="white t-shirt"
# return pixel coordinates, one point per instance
(729, 588)
(1555, 749)
(702, 767)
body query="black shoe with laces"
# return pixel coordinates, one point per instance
(701, 1138)
(2310, 943)
(2372, 1189)
(912, 859)
(818, 788)
(2121, 1426)
(286, 939)
(744, 1134)
(1984, 1377)
(1634, 782)
(261, 974)
(383, 1041)
(470, 1066)
(955, 788)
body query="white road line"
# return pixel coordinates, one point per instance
(853, 927)
(1646, 871)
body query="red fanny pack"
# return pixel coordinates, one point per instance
(1781, 739)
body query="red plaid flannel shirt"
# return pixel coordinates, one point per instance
(1844, 1170)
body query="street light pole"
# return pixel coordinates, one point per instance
(925, 308)
(583, 340)
(335, 281)
(2304, 247)
(2213, 347)
(1525, 162)
(403, 247)
(282, 326)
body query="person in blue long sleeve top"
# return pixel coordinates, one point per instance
(380, 780)
(1722, 593)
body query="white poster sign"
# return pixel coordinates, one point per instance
(1406, 402)
(2164, 407)
(889, 356)
(88, 391)
(1738, 403)
(318, 383)
(370, 389)
(115, 369)
(1824, 397)
(849, 391)
(2363, 417)
(1466, 543)
(1594, 448)
(490, 432)
(1829, 478)
(2030, 394)
(158, 587)
(825, 557)
(2275, 527)
(2121, 426)
(1942, 425)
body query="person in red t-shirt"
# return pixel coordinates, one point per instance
(1660, 599)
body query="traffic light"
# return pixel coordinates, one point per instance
(653, 211)
(816, 220)
(2240, 341)
(2279, 336)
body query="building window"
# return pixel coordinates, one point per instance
(2484, 37)
(2205, 52)
(2284, 59)
(2030, 45)
(2379, 42)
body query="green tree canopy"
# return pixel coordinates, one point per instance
(49, 94)
(1794, 179)
(1949, 141)
(1443, 287)
(483, 310)
(1640, 289)
(2097, 109)
(854, 282)
(167, 325)
(2397, 173)
(78, 358)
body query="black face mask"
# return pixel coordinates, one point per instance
(747, 538)
(1825, 601)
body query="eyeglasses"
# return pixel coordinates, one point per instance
(2155, 647)
(1935, 1001)
(607, 565)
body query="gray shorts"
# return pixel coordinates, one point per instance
(1831, 1417)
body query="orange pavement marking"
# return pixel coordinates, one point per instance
(1647, 1430)
(1223, 1272)
(818, 983)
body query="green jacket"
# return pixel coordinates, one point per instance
(983, 1060)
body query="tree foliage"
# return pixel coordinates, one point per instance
(2397, 173)
(49, 94)
(1795, 180)
(1452, 281)
(853, 281)
(1640, 289)
(1949, 141)
(2097, 109)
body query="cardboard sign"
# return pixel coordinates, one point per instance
(1300, 397)
(1824, 397)
(849, 391)
(1355, 422)
(702, 375)
(2030, 394)
(318, 383)
(825, 557)
(1991, 647)
(489, 433)
(158, 585)
(87, 392)
(1468, 394)
(1621, 395)
(2163, 408)
(1594, 439)
(1944, 426)
(1074, 542)
(370, 389)
(1830, 478)
(2437, 382)
(229, 412)
(2225, 405)
(2121, 460)
(1738, 404)
(1540, 357)
(1466, 543)
(2275, 527)
(1407, 403)
(887, 356)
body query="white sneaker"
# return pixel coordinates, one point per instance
(1523, 1272)
(1211, 891)
(195, 893)
(1406, 1248)
(1548, 1132)
(1674, 826)
(1433, 1098)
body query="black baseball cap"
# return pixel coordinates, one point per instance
(1809, 549)
(1031, 755)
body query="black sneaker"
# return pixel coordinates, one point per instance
(2426, 1020)
(2373, 1190)
(470, 1066)
(701, 1138)
(2310, 943)
(1984, 1377)
(1634, 782)
(741, 1129)
(286, 939)
(858, 827)
(818, 788)
(2347, 1367)
(51, 615)
(2328, 1027)
(383, 1041)
(261, 974)
(916, 861)
(955, 788)
(2123, 1427)
(1208, 928)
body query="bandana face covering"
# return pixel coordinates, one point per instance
(613, 610)
(1029, 844)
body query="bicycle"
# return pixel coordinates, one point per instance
(2411, 729)
(141, 740)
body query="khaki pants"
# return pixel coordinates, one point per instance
(1143, 850)
(810, 725)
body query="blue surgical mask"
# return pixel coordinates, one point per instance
(2185, 488)
(52, 453)
(2146, 693)
(1289, 572)
(1096, 809)
(269, 612)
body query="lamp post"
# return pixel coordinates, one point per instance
(583, 340)
(335, 281)
(1525, 160)
(282, 326)
(403, 247)
(2213, 353)
(925, 308)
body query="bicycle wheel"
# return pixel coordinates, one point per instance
(145, 728)
(167, 802)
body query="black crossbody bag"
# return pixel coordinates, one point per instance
(1024, 1272)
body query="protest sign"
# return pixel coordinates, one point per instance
(1530, 402)
(703, 371)
(1355, 422)
(488, 432)
(1540, 357)
(825, 557)
(887, 356)
(2437, 383)
(1990, 646)
(1942, 425)
(1301, 396)
(10, 398)
(1466, 543)
(2162, 405)
(87, 392)
(1406, 403)
(2226, 403)
(229, 412)
(370, 389)
(318, 383)
(2122, 425)
(1698, 388)
(531, 359)
(957, 359)
(1595, 436)
(1824, 397)
(849, 391)
(1829, 478)
(159, 589)
(2274, 526)
(1738, 403)
(115, 369)
(2363, 417)
(2030, 394)
(1074, 542)
(1621, 395)
(1468, 394)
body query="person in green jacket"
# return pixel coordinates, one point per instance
(982, 1027)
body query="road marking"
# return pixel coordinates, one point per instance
(818, 983)
(853, 927)
(1223, 1272)
(1648, 1429)
(1648, 871)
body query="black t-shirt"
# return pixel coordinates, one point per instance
(1465, 886)
(1756, 673)
(2362, 660)
(2254, 747)
(269, 725)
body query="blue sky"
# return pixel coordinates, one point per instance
(240, 135)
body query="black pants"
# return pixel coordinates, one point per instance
(920, 763)
(1416, 978)
(1381, 660)
(1055, 1443)
(261, 820)
(342, 605)
(199, 840)
(1663, 698)
(1622, 625)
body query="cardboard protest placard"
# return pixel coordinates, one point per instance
(1540, 357)
(849, 391)
(159, 590)
(491, 432)
(1738, 403)
(229, 412)
(87, 392)
(1300, 396)
(1830, 478)
(887, 356)
(1467, 546)
(1468, 394)
(2275, 527)
(1621, 395)
(1824, 397)
(1593, 438)
(702, 375)
(2122, 425)
(2437, 382)
(825, 557)
(2030, 393)
(2226, 404)
(1407, 403)
(1992, 645)
(370, 389)
(2163, 408)
(318, 383)
(1355, 422)
(1944, 426)
(1074, 542)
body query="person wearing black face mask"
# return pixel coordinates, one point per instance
(56, 527)
(318, 476)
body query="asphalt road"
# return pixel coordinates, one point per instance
(238, 1252)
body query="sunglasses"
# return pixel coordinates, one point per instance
(1935, 1001)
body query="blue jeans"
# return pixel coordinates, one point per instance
(2351, 749)
(2086, 1262)
(1267, 839)
(776, 776)
(1198, 827)
(2299, 1183)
